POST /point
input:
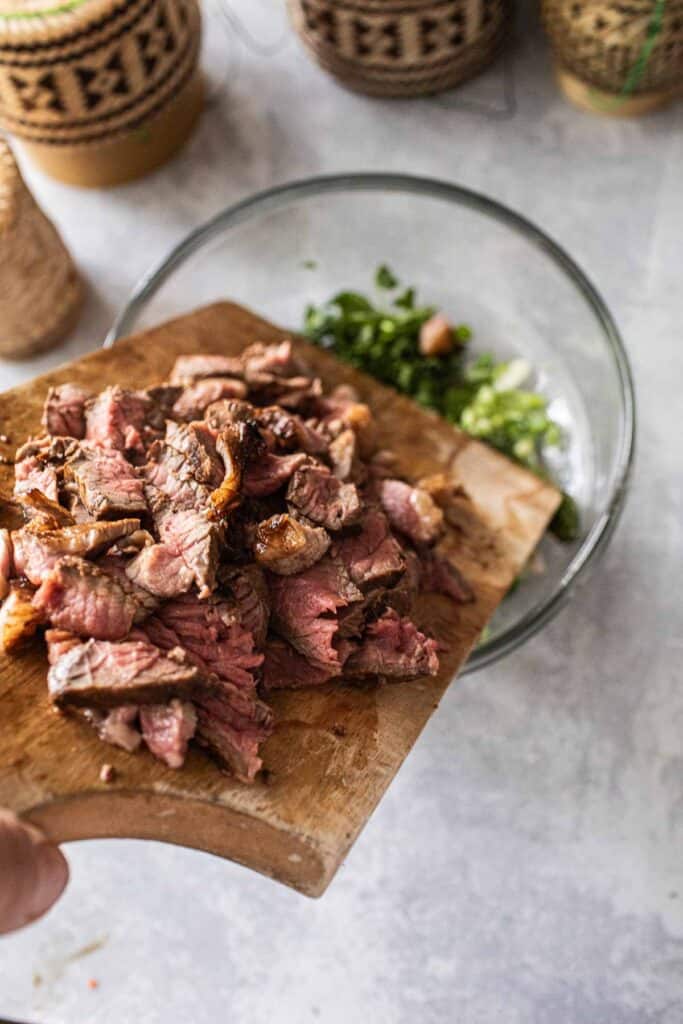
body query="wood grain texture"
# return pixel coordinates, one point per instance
(335, 749)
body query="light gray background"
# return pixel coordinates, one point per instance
(525, 866)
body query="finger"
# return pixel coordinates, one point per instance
(33, 873)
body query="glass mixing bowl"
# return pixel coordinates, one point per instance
(482, 265)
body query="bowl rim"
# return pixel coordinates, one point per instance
(598, 537)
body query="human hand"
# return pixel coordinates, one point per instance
(33, 873)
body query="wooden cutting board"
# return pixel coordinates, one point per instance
(335, 749)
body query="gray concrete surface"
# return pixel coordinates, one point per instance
(526, 866)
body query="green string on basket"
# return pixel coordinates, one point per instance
(638, 70)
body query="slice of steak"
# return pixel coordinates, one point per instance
(196, 397)
(79, 597)
(342, 410)
(107, 485)
(146, 603)
(343, 454)
(213, 635)
(102, 674)
(299, 394)
(188, 369)
(168, 479)
(163, 397)
(304, 609)
(19, 619)
(117, 418)
(37, 550)
(59, 641)
(393, 646)
(6, 562)
(167, 730)
(64, 410)
(196, 539)
(196, 442)
(160, 570)
(289, 430)
(50, 514)
(439, 575)
(324, 499)
(38, 465)
(277, 359)
(412, 511)
(286, 545)
(268, 473)
(232, 724)
(116, 726)
(285, 668)
(372, 557)
(33, 474)
(249, 589)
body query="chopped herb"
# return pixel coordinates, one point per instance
(385, 279)
(565, 524)
(481, 396)
(309, 264)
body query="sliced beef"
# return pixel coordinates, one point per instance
(117, 418)
(249, 589)
(59, 641)
(232, 724)
(343, 453)
(286, 545)
(412, 511)
(116, 726)
(195, 538)
(19, 619)
(50, 514)
(162, 397)
(304, 609)
(38, 465)
(439, 575)
(213, 635)
(6, 562)
(324, 499)
(269, 473)
(188, 369)
(196, 442)
(101, 674)
(276, 360)
(167, 730)
(64, 410)
(79, 597)
(342, 410)
(37, 550)
(285, 668)
(198, 396)
(290, 431)
(168, 480)
(115, 565)
(372, 557)
(160, 570)
(394, 646)
(107, 485)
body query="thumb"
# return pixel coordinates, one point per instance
(33, 873)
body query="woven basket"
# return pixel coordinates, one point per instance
(401, 47)
(40, 291)
(102, 90)
(618, 57)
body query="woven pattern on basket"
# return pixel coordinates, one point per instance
(636, 46)
(40, 291)
(93, 71)
(393, 48)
